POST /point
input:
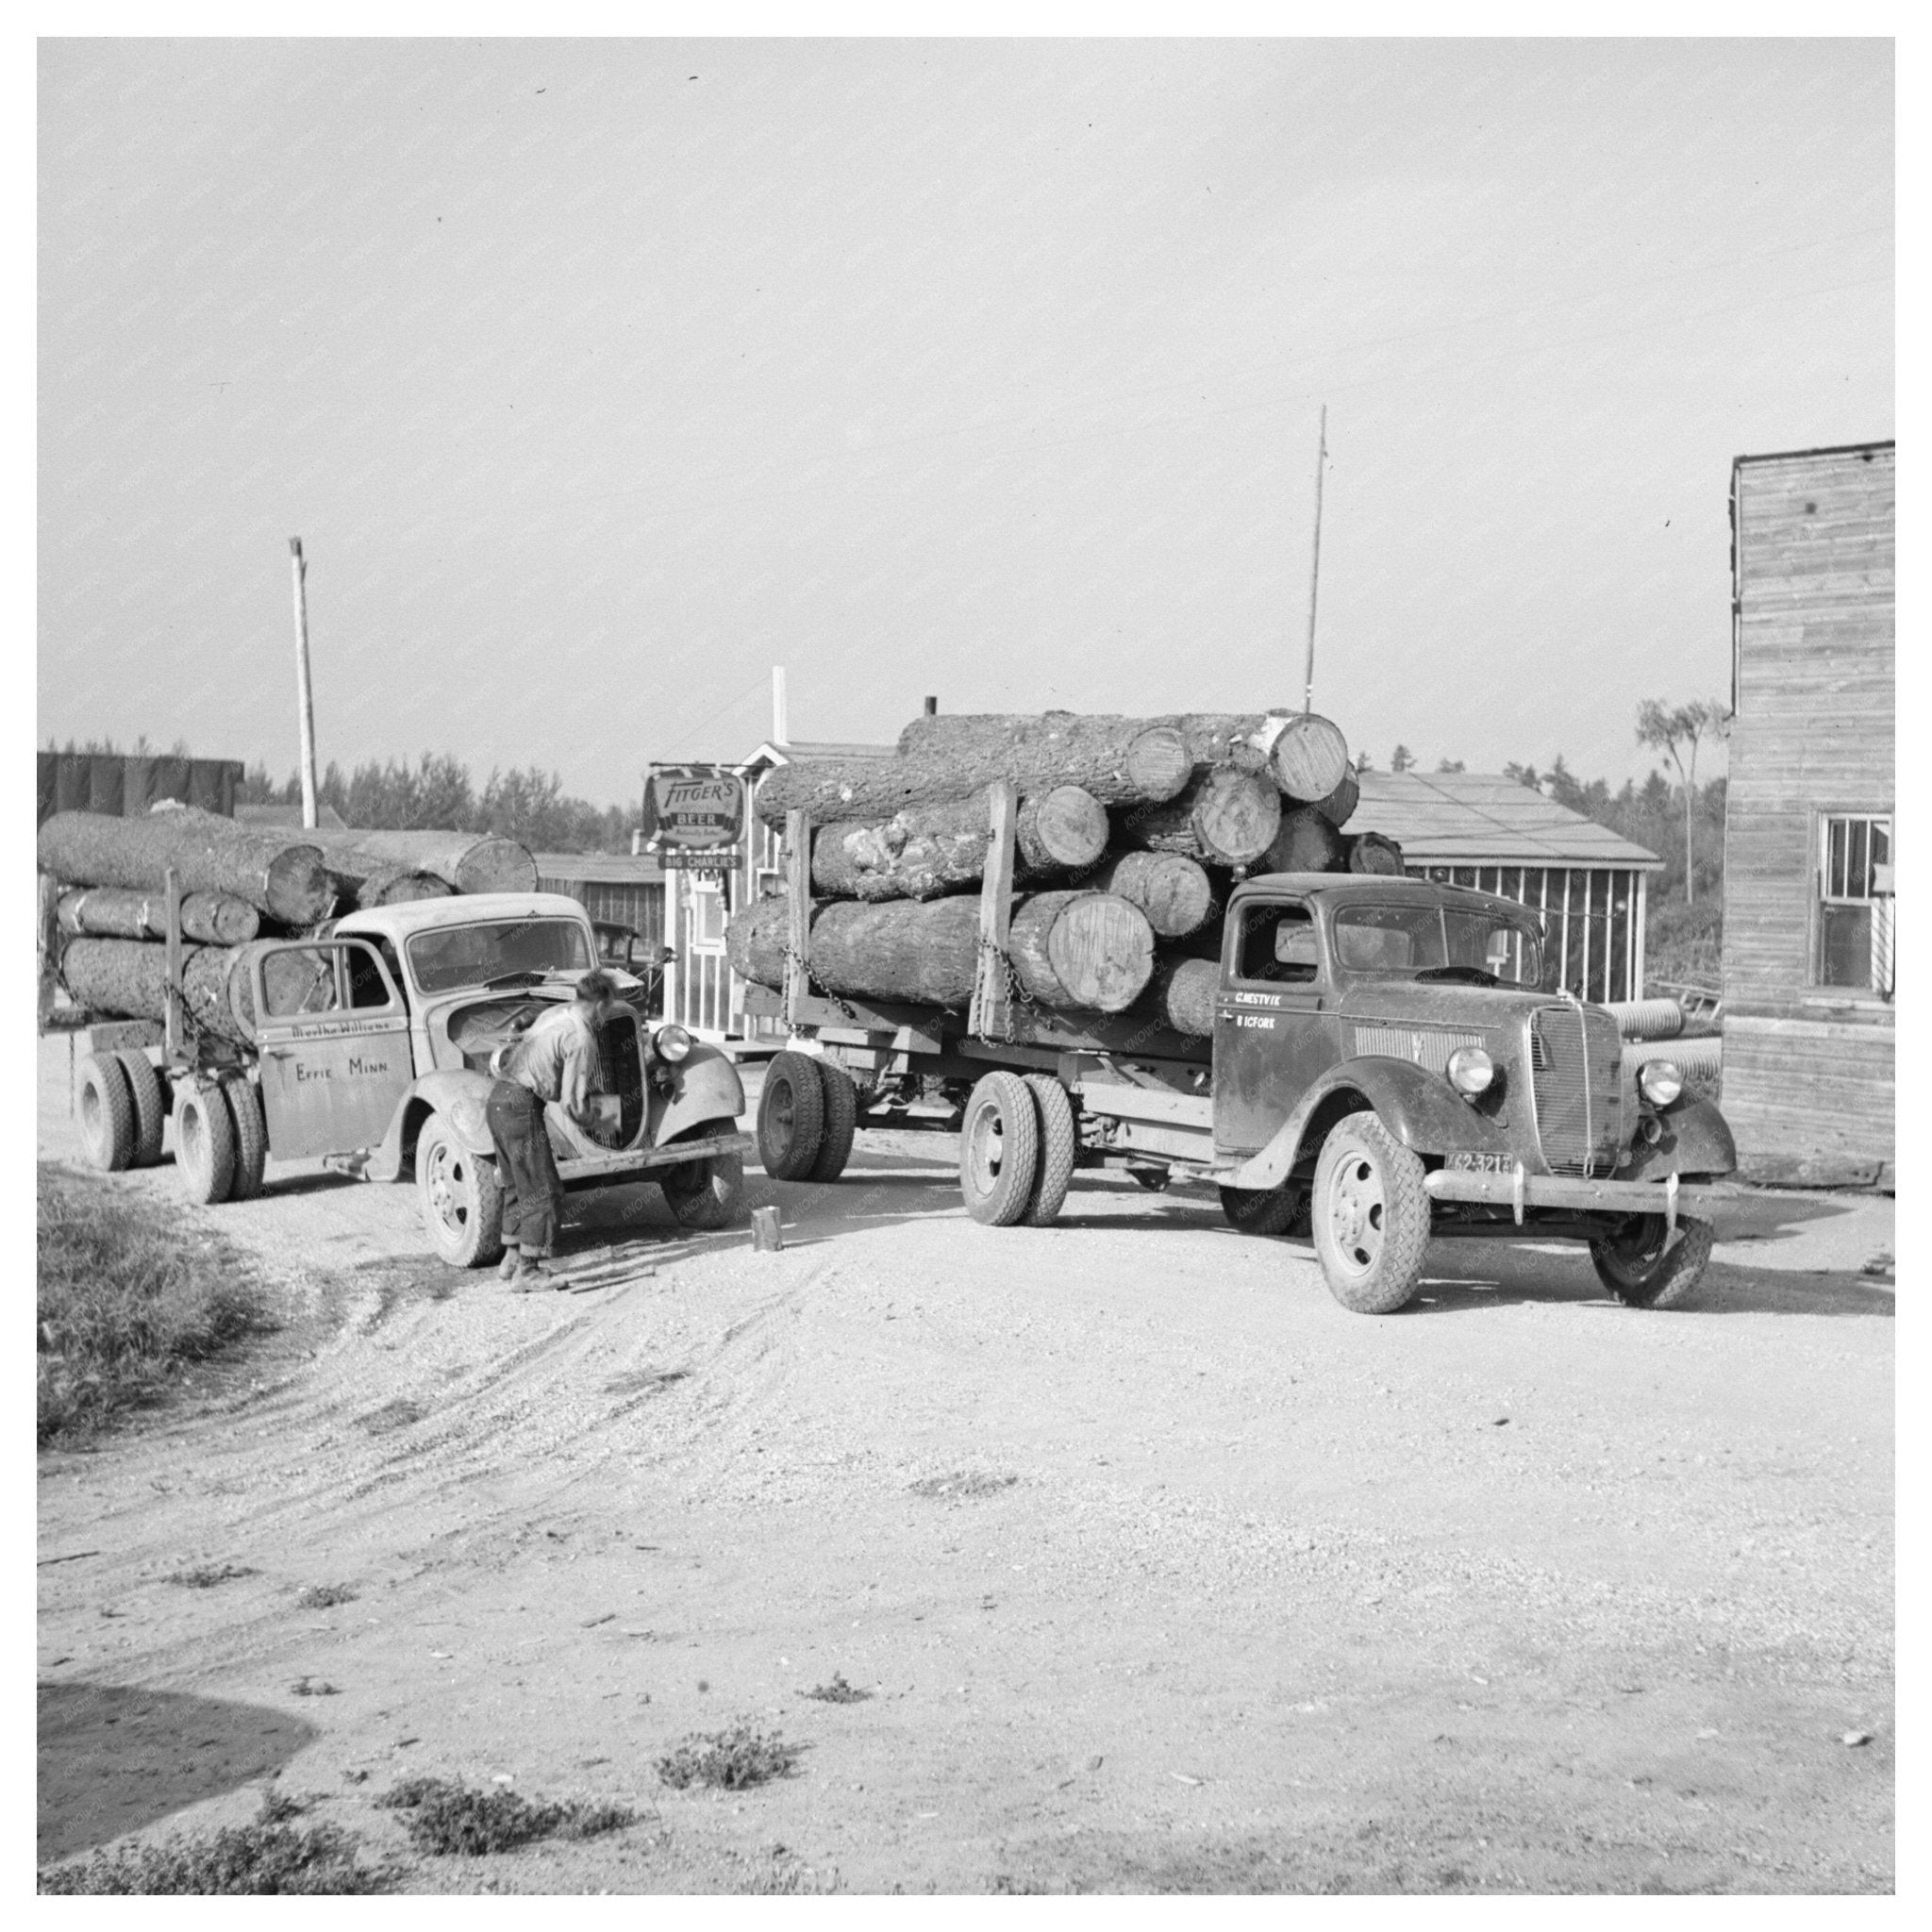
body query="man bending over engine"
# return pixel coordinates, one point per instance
(557, 1059)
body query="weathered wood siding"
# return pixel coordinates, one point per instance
(1812, 687)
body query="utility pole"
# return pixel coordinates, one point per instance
(1315, 568)
(305, 697)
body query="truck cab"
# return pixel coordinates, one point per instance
(1388, 1059)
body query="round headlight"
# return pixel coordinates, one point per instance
(673, 1042)
(1661, 1081)
(1470, 1071)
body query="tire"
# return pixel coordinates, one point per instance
(105, 1110)
(204, 1141)
(792, 1117)
(1638, 1266)
(999, 1150)
(842, 1122)
(150, 1106)
(460, 1195)
(1267, 1212)
(251, 1137)
(1371, 1216)
(1058, 1143)
(709, 1193)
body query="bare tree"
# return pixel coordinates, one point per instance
(1677, 731)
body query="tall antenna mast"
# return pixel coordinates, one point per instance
(1315, 568)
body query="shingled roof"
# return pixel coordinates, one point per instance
(1474, 818)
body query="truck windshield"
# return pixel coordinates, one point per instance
(1410, 942)
(498, 949)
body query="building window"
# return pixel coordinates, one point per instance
(707, 913)
(1855, 891)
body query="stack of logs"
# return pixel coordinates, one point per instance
(104, 914)
(1129, 833)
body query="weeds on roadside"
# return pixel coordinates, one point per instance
(447, 1816)
(277, 1807)
(125, 1301)
(836, 1692)
(208, 1576)
(253, 1859)
(325, 1596)
(312, 1686)
(732, 1760)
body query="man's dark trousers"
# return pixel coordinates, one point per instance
(532, 1193)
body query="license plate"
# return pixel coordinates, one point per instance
(1484, 1163)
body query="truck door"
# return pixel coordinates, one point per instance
(334, 1039)
(1274, 1025)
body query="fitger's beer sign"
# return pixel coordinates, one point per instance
(693, 815)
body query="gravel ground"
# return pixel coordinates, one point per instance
(1161, 1571)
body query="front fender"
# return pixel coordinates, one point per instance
(706, 1088)
(1696, 1139)
(459, 1095)
(1419, 1108)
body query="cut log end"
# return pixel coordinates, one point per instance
(1065, 829)
(1308, 756)
(1102, 951)
(1157, 762)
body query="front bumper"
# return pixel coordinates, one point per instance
(604, 1167)
(1521, 1189)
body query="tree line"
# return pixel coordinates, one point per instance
(527, 803)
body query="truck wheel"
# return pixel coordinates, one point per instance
(792, 1117)
(462, 1197)
(711, 1193)
(105, 1108)
(251, 1137)
(999, 1150)
(1267, 1212)
(1644, 1269)
(204, 1141)
(841, 1121)
(150, 1106)
(1371, 1216)
(1058, 1143)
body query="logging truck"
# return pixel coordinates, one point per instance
(1376, 1063)
(367, 1044)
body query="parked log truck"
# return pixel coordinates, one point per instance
(1387, 1068)
(370, 1051)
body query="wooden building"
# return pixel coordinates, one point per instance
(627, 890)
(1472, 828)
(1810, 1021)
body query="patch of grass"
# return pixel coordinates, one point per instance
(207, 1578)
(731, 1760)
(313, 1686)
(325, 1596)
(126, 1300)
(447, 1816)
(836, 1692)
(964, 1482)
(398, 1414)
(277, 1806)
(252, 1859)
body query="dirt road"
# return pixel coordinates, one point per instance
(1160, 1569)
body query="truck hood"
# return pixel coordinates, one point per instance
(1436, 1003)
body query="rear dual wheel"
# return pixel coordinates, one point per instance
(808, 1114)
(104, 1108)
(1017, 1145)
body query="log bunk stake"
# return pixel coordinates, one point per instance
(990, 1016)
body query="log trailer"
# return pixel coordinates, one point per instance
(1384, 1069)
(369, 1046)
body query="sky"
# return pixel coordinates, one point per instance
(599, 377)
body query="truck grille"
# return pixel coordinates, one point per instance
(1576, 1072)
(1428, 1046)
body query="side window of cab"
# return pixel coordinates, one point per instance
(1276, 947)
